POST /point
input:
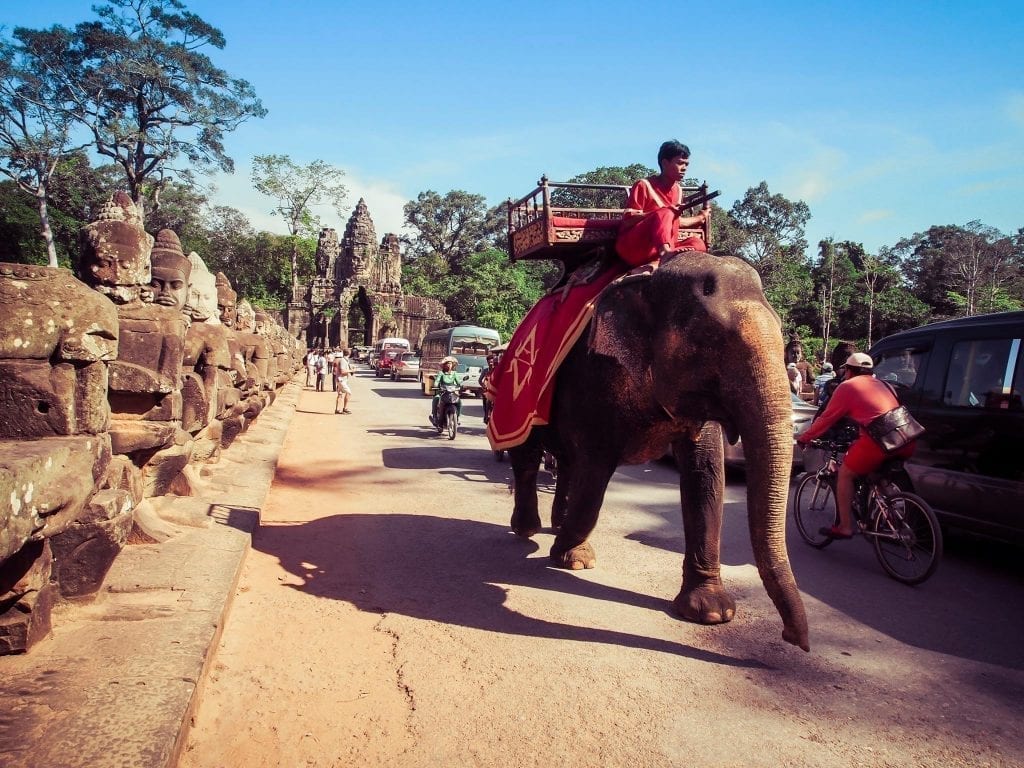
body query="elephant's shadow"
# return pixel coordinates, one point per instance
(447, 570)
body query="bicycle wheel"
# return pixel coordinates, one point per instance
(814, 507)
(908, 540)
(453, 422)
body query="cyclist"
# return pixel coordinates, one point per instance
(860, 397)
(450, 377)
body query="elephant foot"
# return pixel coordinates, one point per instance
(525, 526)
(705, 604)
(575, 559)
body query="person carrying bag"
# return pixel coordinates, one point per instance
(894, 429)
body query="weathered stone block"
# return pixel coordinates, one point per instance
(129, 437)
(26, 597)
(44, 485)
(84, 552)
(160, 475)
(195, 405)
(39, 399)
(206, 445)
(122, 474)
(56, 336)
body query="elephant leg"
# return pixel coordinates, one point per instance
(560, 504)
(525, 460)
(586, 486)
(702, 598)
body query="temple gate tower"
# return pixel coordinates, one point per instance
(355, 296)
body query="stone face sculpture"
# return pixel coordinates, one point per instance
(145, 391)
(171, 270)
(115, 251)
(255, 348)
(206, 346)
(201, 304)
(227, 300)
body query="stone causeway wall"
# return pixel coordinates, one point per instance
(116, 387)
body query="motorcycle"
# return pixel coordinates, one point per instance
(447, 417)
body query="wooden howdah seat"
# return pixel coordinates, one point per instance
(539, 227)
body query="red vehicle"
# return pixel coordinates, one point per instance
(386, 360)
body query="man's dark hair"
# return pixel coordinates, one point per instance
(672, 149)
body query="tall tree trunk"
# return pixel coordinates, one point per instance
(44, 227)
(295, 265)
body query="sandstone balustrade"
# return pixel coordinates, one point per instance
(114, 387)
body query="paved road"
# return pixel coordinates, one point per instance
(389, 618)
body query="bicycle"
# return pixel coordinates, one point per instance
(901, 526)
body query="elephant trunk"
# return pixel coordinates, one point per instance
(765, 426)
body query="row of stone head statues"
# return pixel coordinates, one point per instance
(116, 386)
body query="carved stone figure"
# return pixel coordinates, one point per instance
(201, 305)
(115, 251)
(255, 348)
(56, 341)
(359, 246)
(57, 338)
(171, 270)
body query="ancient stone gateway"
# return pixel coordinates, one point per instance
(356, 295)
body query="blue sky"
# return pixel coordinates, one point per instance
(884, 117)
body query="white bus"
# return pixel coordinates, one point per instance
(466, 343)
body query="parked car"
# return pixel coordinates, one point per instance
(405, 367)
(963, 379)
(803, 415)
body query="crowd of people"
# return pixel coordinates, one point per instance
(336, 363)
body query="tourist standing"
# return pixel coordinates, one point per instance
(342, 371)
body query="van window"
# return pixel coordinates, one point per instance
(981, 374)
(901, 366)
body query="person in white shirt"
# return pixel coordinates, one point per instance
(342, 370)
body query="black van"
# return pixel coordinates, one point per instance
(963, 380)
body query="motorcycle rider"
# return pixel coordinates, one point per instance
(447, 377)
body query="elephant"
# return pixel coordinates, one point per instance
(676, 358)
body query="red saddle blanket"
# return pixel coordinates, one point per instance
(523, 382)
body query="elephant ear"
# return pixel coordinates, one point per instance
(623, 326)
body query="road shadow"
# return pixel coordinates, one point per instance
(448, 570)
(963, 610)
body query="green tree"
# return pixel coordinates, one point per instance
(961, 270)
(492, 292)
(446, 229)
(773, 242)
(182, 209)
(35, 130)
(296, 189)
(623, 177)
(139, 82)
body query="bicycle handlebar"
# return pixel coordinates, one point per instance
(839, 446)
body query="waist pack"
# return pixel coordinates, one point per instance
(895, 429)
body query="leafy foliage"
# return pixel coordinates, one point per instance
(138, 81)
(296, 189)
(35, 130)
(448, 229)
